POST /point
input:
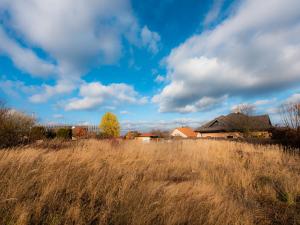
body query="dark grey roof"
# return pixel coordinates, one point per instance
(237, 122)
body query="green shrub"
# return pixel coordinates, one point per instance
(64, 133)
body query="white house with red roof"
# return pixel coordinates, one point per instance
(146, 137)
(184, 132)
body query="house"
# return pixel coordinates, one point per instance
(131, 135)
(184, 132)
(80, 131)
(147, 137)
(236, 125)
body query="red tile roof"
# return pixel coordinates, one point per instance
(187, 131)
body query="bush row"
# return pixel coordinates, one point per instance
(14, 127)
(38, 133)
(287, 137)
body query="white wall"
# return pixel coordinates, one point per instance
(144, 139)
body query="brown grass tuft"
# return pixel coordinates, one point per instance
(183, 182)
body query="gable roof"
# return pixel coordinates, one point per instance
(237, 122)
(187, 131)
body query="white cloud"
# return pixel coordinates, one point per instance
(262, 102)
(295, 98)
(110, 107)
(24, 58)
(262, 105)
(160, 79)
(95, 95)
(244, 108)
(214, 13)
(168, 125)
(62, 87)
(256, 50)
(16, 88)
(58, 116)
(75, 34)
(124, 112)
(150, 39)
(273, 110)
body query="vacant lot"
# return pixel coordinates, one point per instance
(189, 182)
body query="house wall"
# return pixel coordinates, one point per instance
(256, 134)
(177, 133)
(221, 135)
(260, 134)
(143, 139)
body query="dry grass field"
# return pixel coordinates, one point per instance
(184, 182)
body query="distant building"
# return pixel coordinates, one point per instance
(131, 135)
(236, 125)
(147, 137)
(80, 131)
(184, 132)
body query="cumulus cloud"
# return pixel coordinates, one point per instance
(95, 94)
(75, 34)
(24, 58)
(150, 39)
(256, 50)
(62, 87)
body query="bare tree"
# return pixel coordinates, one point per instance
(14, 126)
(247, 109)
(290, 115)
(160, 133)
(3, 112)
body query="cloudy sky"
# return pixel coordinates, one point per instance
(153, 63)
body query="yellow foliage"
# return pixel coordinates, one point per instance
(109, 125)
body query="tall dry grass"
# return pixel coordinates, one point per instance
(189, 182)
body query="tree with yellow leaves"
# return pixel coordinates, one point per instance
(109, 125)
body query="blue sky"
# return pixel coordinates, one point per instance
(156, 64)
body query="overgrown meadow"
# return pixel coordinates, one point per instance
(128, 182)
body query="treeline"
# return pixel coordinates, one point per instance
(17, 128)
